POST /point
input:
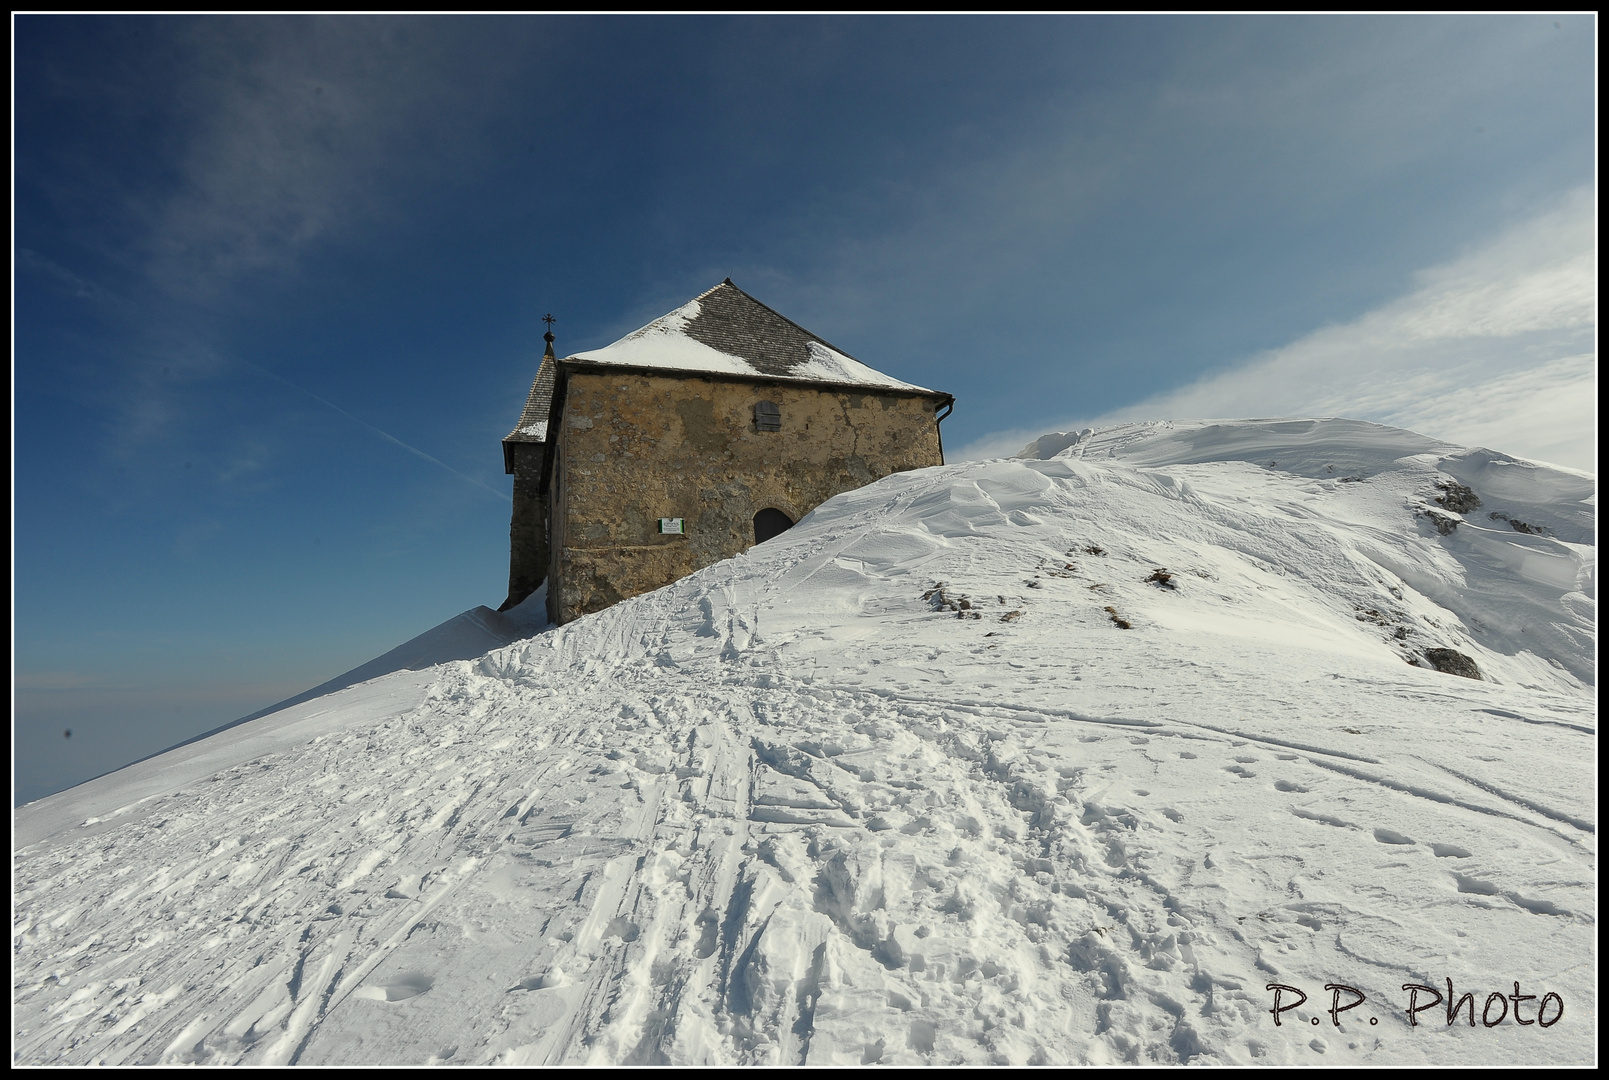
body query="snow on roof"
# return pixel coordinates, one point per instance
(725, 331)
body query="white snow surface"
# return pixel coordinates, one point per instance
(897, 787)
(665, 344)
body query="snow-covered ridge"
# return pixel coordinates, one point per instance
(1519, 568)
(1021, 761)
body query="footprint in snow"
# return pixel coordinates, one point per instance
(1537, 907)
(1386, 836)
(1324, 819)
(401, 988)
(1449, 851)
(546, 981)
(622, 928)
(1475, 886)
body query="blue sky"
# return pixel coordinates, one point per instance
(278, 281)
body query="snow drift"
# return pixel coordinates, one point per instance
(1061, 759)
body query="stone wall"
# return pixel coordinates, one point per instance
(527, 532)
(634, 448)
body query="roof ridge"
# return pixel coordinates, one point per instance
(700, 296)
(812, 335)
(726, 330)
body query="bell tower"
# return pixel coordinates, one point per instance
(523, 451)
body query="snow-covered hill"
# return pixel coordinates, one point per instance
(1057, 760)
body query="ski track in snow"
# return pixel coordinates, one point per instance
(789, 810)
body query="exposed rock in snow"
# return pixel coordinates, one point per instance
(898, 787)
(1453, 662)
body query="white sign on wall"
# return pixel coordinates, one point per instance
(671, 526)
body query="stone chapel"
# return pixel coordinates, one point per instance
(710, 430)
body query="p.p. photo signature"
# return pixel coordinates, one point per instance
(1497, 1008)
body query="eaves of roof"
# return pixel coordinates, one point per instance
(574, 364)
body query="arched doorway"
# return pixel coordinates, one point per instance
(770, 522)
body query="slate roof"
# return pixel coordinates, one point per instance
(727, 331)
(731, 321)
(723, 331)
(533, 422)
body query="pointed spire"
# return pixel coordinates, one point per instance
(547, 354)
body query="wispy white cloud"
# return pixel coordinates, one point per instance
(1253, 121)
(1496, 348)
(280, 136)
(1547, 413)
(299, 128)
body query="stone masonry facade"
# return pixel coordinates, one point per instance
(527, 534)
(633, 448)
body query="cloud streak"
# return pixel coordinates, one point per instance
(387, 436)
(302, 128)
(1497, 347)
